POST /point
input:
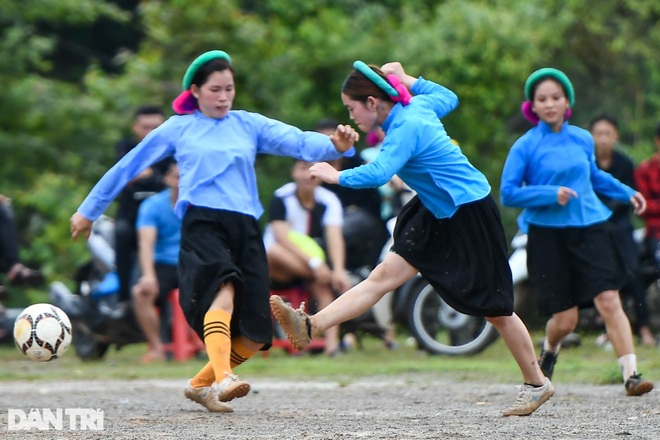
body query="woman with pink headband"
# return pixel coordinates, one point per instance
(223, 271)
(450, 232)
(572, 257)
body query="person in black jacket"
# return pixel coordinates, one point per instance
(150, 182)
(605, 130)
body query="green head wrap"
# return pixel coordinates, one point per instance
(203, 58)
(555, 74)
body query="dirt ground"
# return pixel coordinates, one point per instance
(411, 407)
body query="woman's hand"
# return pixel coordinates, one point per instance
(344, 137)
(340, 281)
(638, 202)
(564, 195)
(79, 225)
(325, 172)
(395, 68)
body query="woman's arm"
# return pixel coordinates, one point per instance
(439, 98)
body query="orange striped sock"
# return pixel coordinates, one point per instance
(204, 378)
(239, 353)
(217, 338)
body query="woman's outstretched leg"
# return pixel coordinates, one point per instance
(299, 327)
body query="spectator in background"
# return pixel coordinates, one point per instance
(10, 264)
(149, 182)
(302, 207)
(647, 178)
(605, 131)
(159, 240)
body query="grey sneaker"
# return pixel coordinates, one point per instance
(529, 399)
(295, 323)
(231, 387)
(207, 397)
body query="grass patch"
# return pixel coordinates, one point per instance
(587, 364)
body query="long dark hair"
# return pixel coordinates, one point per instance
(358, 87)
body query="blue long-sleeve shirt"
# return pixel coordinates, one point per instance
(418, 149)
(215, 157)
(540, 162)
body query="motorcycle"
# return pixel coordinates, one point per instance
(99, 321)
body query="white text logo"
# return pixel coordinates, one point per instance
(75, 419)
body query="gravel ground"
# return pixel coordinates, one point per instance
(412, 407)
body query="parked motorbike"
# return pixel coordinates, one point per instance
(99, 321)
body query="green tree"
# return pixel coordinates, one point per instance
(57, 137)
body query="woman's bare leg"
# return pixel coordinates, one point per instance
(517, 339)
(388, 275)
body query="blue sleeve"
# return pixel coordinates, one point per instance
(156, 146)
(514, 191)
(395, 151)
(606, 184)
(437, 97)
(275, 137)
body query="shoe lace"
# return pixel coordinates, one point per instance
(232, 377)
(633, 380)
(301, 309)
(524, 391)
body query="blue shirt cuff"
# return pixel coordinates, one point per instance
(350, 152)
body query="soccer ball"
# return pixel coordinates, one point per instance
(42, 332)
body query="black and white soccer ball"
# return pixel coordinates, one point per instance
(42, 332)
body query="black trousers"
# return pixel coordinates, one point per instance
(125, 255)
(8, 238)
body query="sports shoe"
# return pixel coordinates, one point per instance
(529, 399)
(636, 386)
(295, 323)
(547, 362)
(207, 397)
(231, 388)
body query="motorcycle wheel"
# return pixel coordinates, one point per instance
(440, 329)
(88, 348)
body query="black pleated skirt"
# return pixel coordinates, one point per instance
(463, 257)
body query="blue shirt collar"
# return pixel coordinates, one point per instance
(198, 114)
(545, 128)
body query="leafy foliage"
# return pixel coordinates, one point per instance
(291, 57)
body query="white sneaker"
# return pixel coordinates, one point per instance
(207, 397)
(530, 398)
(231, 387)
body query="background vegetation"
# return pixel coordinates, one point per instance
(74, 70)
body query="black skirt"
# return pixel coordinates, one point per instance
(220, 246)
(463, 257)
(569, 267)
